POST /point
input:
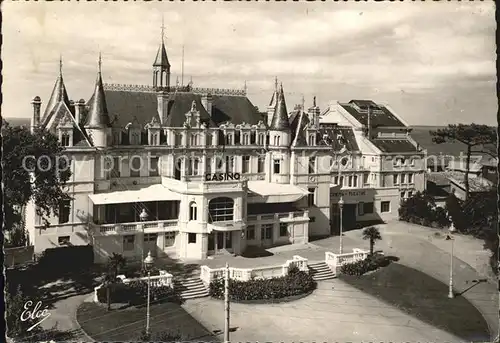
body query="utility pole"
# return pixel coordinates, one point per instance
(226, 305)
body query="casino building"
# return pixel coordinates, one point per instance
(191, 172)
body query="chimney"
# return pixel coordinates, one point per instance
(206, 101)
(35, 120)
(314, 113)
(79, 107)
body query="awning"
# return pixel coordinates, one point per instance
(148, 193)
(275, 192)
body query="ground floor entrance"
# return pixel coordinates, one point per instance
(220, 242)
(348, 218)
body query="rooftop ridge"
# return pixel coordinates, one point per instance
(179, 89)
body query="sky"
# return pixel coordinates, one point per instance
(432, 62)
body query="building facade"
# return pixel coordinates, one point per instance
(191, 172)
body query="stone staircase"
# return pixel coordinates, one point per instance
(320, 271)
(191, 287)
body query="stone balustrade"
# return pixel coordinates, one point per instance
(285, 216)
(113, 229)
(335, 261)
(208, 274)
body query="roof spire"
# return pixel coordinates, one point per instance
(162, 28)
(303, 103)
(275, 83)
(280, 121)
(60, 64)
(161, 59)
(314, 101)
(100, 62)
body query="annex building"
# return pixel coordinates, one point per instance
(192, 172)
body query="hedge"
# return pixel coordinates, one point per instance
(136, 293)
(295, 283)
(369, 264)
(67, 259)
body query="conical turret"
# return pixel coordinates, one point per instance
(280, 121)
(161, 65)
(59, 94)
(97, 116)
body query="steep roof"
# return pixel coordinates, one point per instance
(337, 137)
(394, 145)
(299, 126)
(125, 105)
(380, 115)
(97, 116)
(280, 119)
(161, 59)
(59, 94)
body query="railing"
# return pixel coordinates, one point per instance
(303, 215)
(207, 274)
(334, 261)
(151, 89)
(162, 280)
(134, 227)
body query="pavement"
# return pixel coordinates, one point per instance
(337, 311)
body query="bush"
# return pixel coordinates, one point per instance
(136, 293)
(369, 264)
(164, 336)
(295, 283)
(421, 209)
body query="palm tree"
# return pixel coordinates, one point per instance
(373, 234)
(115, 263)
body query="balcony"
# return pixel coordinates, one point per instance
(199, 184)
(226, 226)
(281, 217)
(131, 228)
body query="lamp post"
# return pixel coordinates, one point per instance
(148, 262)
(143, 217)
(451, 230)
(341, 206)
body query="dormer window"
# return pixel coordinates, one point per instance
(65, 139)
(135, 138)
(252, 137)
(245, 140)
(116, 137)
(277, 140)
(154, 139)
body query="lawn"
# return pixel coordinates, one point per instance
(425, 298)
(126, 324)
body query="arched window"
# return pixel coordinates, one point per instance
(221, 209)
(277, 140)
(65, 139)
(261, 139)
(193, 211)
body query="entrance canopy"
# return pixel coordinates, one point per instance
(148, 193)
(275, 192)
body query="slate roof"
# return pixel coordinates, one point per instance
(98, 116)
(380, 115)
(59, 94)
(161, 59)
(280, 119)
(126, 105)
(337, 137)
(394, 145)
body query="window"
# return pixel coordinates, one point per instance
(230, 164)
(64, 211)
(336, 180)
(385, 206)
(135, 138)
(169, 239)
(276, 140)
(208, 167)
(403, 178)
(63, 240)
(361, 208)
(341, 181)
(395, 179)
(250, 232)
(260, 164)
(276, 166)
(65, 139)
(229, 139)
(150, 237)
(196, 166)
(252, 137)
(221, 209)
(311, 196)
(128, 242)
(355, 181)
(283, 229)
(193, 211)
(311, 140)
(153, 166)
(312, 219)
(368, 207)
(312, 165)
(135, 168)
(246, 164)
(262, 139)
(194, 139)
(365, 179)
(350, 181)
(115, 172)
(266, 231)
(191, 238)
(154, 139)
(410, 178)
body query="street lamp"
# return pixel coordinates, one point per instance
(449, 237)
(143, 217)
(341, 206)
(148, 262)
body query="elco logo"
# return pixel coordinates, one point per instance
(34, 314)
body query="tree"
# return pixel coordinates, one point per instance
(477, 139)
(115, 263)
(34, 168)
(418, 209)
(372, 234)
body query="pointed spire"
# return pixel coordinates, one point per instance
(300, 134)
(161, 59)
(274, 98)
(59, 94)
(98, 111)
(303, 107)
(314, 101)
(280, 118)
